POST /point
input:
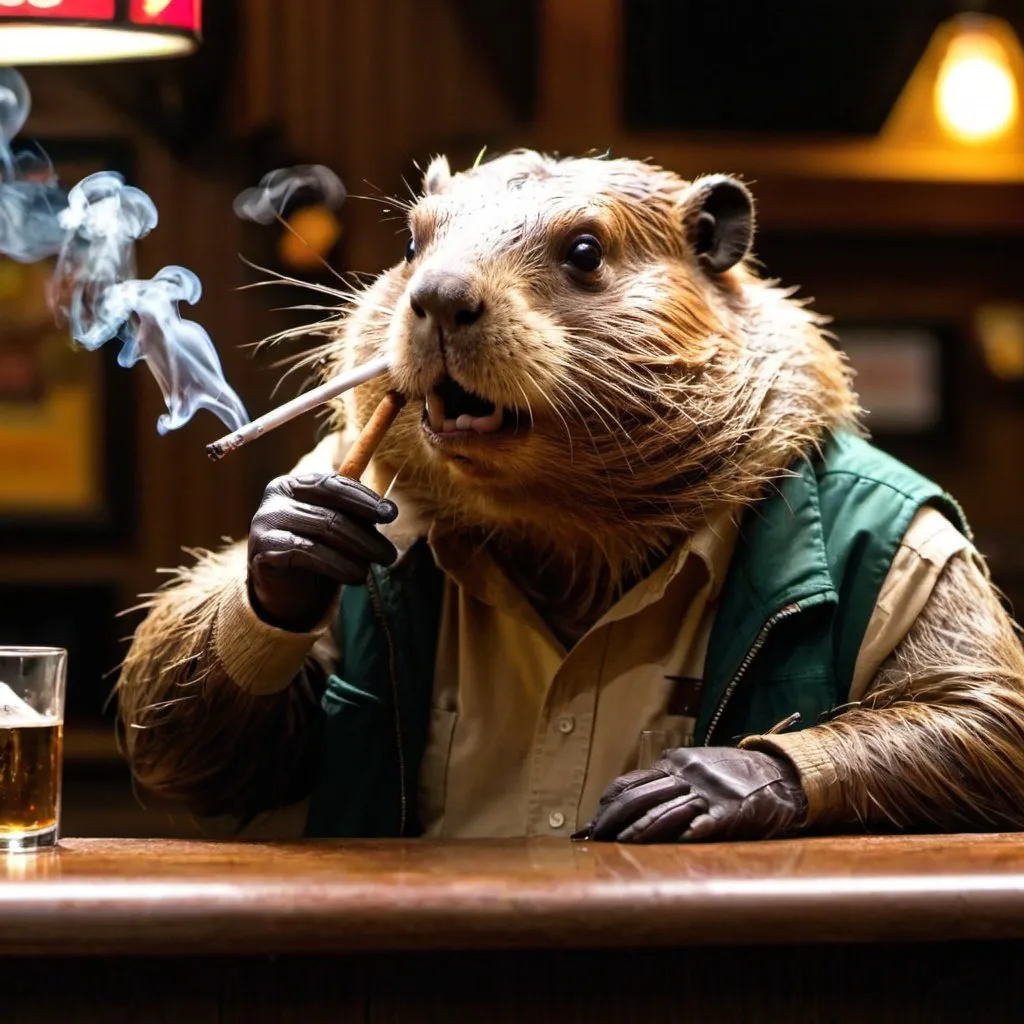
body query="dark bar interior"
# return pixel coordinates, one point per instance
(883, 147)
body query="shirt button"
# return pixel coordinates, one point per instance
(556, 819)
(566, 725)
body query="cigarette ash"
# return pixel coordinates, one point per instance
(93, 230)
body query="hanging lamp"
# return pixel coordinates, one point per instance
(89, 31)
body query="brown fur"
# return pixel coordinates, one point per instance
(192, 736)
(939, 742)
(658, 398)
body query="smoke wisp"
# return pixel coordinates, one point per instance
(93, 230)
(268, 200)
(30, 196)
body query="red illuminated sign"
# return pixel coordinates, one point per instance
(80, 9)
(169, 13)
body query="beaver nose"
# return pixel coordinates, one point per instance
(450, 299)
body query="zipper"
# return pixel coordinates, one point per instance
(762, 638)
(378, 608)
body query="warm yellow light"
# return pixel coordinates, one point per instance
(34, 43)
(1000, 329)
(314, 233)
(959, 115)
(975, 94)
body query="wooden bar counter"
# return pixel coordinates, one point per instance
(886, 928)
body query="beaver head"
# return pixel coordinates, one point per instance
(589, 358)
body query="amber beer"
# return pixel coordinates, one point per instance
(30, 763)
(32, 685)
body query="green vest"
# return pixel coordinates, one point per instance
(794, 607)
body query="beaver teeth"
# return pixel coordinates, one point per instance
(484, 417)
(435, 411)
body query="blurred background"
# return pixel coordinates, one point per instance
(883, 142)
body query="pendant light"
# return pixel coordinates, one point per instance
(89, 31)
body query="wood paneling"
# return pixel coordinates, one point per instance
(927, 983)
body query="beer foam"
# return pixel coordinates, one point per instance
(17, 714)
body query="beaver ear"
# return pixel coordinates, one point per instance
(438, 175)
(719, 218)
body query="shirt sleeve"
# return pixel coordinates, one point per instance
(930, 542)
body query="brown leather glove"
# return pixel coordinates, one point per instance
(701, 793)
(312, 533)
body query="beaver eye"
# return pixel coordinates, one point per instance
(585, 254)
(410, 251)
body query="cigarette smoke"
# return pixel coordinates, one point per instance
(93, 230)
(30, 197)
(270, 198)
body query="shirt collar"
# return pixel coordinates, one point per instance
(475, 571)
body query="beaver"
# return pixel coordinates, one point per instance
(631, 496)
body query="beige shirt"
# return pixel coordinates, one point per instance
(525, 735)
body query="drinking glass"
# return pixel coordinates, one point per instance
(654, 743)
(32, 684)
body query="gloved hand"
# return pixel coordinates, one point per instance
(699, 793)
(311, 533)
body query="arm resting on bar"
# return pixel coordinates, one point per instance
(930, 745)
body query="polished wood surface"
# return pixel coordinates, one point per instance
(133, 932)
(153, 896)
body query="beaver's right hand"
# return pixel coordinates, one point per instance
(311, 533)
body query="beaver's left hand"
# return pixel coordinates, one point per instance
(700, 793)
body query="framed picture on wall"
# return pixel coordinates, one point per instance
(67, 449)
(904, 377)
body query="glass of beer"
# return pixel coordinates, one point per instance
(32, 682)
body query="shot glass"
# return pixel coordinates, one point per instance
(654, 743)
(32, 684)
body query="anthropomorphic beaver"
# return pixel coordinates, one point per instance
(632, 497)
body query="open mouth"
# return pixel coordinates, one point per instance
(451, 409)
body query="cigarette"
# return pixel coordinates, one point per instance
(371, 435)
(296, 407)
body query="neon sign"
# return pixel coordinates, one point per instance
(169, 13)
(72, 31)
(93, 9)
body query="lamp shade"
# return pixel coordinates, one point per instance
(965, 93)
(86, 31)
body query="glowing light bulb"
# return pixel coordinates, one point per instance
(314, 233)
(975, 94)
